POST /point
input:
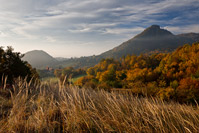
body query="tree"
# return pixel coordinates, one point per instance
(12, 66)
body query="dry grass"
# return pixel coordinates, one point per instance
(55, 108)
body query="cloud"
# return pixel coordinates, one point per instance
(50, 39)
(183, 29)
(123, 31)
(2, 34)
(50, 21)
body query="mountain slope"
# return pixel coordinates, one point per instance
(39, 59)
(193, 36)
(152, 38)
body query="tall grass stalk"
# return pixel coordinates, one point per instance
(58, 108)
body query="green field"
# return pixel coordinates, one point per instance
(73, 80)
(55, 79)
(50, 79)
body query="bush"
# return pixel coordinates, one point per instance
(166, 93)
(188, 90)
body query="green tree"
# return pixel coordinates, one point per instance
(12, 66)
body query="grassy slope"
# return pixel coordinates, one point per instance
(55, 79)
(56, 108)
(50, 79)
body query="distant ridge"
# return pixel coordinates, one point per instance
(39, 59)
(61, 59)
(193, 36)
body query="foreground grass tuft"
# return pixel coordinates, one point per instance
(56, 108)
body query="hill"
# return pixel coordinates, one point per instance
(39, 59)
(151, 39)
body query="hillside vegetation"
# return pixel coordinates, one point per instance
(172, 75)
(53, 108)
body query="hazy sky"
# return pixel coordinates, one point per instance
(85, 27)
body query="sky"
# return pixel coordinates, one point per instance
(74, 28)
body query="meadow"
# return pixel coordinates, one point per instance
(55, 107)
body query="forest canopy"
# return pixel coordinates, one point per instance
(173, 75)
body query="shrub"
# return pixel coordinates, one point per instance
(166, 93)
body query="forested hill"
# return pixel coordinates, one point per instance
(173, 75)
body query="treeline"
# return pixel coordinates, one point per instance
(166, 75)
(12, 67)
